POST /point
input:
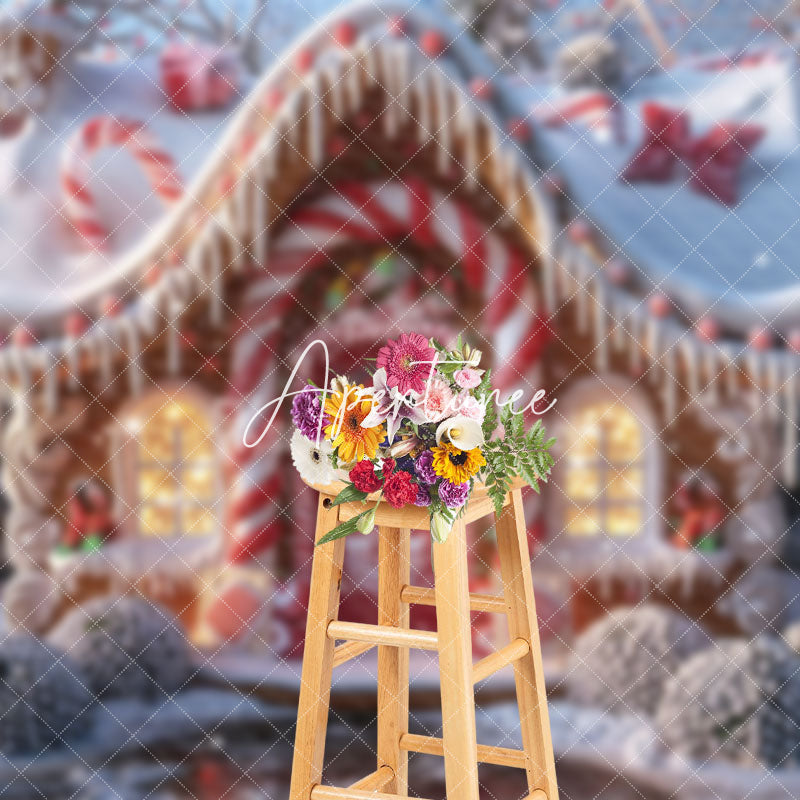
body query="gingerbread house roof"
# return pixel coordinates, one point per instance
(429, 74)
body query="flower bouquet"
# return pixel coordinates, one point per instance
(422, 434)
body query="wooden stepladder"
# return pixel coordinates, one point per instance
(393, 638)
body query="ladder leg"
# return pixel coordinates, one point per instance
(455, 666)
(394, 572)
(315, 685)
(528, 671)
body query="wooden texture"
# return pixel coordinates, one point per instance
(349, 650)
(376, 781)
(394, 572)
(331, 793)
(487, 754)
(315, 682)
(494, 662)
(455, 665)
(515, 570)
(422, 596)
(393, 637)
(383, 635)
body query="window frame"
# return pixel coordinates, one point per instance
(128, 464)
(586, 392)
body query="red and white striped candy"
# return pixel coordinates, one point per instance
(99, 132)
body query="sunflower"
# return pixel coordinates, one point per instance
(454, 465)
(347, 410)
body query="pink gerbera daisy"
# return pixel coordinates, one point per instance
(408, 362)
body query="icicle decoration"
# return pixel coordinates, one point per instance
(423, 104)
(215, 283)
(773, 378)
(50, 377)
(353, 83)
(390, 113)
(582, 269)
(634, 328)
(651, 342)
(335, 94)
(710, 358)
(692, 368)
(468, 130)
(260, 213)
(402, 69)
(600, 335)
(315, 122)
(106, 356)
(731, 373)
(23, 373)
(790, 435)
(670, 383)
(133, 352)
(443, 112)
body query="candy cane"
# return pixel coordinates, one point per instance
(376, 215)
(99, 132)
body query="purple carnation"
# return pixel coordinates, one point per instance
(306, 412)
(454, 495)
(423, 496)
(423, 466)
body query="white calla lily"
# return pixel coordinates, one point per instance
(463, 432)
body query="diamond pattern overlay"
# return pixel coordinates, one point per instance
(450, 167)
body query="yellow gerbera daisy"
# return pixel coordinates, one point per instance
(347, 410)
(457, 466)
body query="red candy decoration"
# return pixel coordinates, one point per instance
(345, 34)
(666, 137)
(110, 306)
(76, 324)
(618, 271)
(717, 158)
(22, 337)
(432, 43)
(659, 305)
(760, 339)
(579, 231)
(273, 100)
(793, 339)
(708, 329)
(519, 129)
(481, 88)
(304, 60)
(397, 25)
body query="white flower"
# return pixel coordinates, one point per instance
(463, 432)
(313, 463)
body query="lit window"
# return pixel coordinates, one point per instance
(603, 473)
(175, 477)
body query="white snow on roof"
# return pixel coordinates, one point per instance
(742, 261)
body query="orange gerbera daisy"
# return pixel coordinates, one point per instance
(347, 410)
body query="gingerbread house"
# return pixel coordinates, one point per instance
(385, 176)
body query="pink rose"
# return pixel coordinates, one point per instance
(470, 407)
(468, 378)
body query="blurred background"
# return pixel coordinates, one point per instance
(601, 196)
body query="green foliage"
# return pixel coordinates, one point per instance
(518, 452)
(344, 528)
(348, 495)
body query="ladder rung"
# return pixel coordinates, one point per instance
(421, 596)
(332, 793)
(487, 754)
(494, 662)
(383, 635)
(375, 781)
(344, 652)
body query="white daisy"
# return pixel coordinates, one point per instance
(312, 462)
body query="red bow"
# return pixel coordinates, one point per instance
(714, 160)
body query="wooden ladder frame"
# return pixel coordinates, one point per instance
(393, 638)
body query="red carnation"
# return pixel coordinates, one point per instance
(388, 467)
(364, 478)
(399, 490)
